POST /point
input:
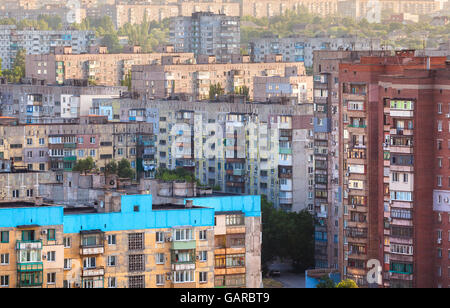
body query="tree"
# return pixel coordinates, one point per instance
(127, 81)
(84, 165)
(326, 283)
(215, 90)
(17, 72)
(287, 235)
(111, 167)
(124, 169)
(347, 284)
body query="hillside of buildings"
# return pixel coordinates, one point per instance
(394, 34)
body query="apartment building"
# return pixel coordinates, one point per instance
(327, 165)
(270, 8)
(301, 49)
(165, 245)
(371, 10)
(206, 33)
(36, 102)
(253, 148)
(416, 111)
(57, 147)
(36, 42)
(194, 80)
(384, 196)
(17, 183)
(98, 66)
(135, 12)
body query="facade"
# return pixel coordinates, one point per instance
(358, 9)
(381, 191)
(56, 147)
(327, 165)
(301, 49)
(253, 148)
(166, 246)
(38, 103)
(97, 67)
(194, 80)
(206, 33)
(36, 42)
(270, 8)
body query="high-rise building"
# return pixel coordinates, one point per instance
(388, 123)
(207, 33)
(327, 159)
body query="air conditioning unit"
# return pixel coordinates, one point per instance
(439, 241)
(44, 232)
(447, 115)
(169, 239)
(76, 284)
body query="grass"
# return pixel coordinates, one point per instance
(271, 283)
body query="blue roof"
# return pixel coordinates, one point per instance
(128, 218)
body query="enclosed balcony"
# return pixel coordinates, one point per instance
(92, 242)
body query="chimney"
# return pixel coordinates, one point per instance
(189, 204)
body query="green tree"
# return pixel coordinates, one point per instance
(287, 235)
(347, 284)
(127, 81)
(326, 283)
(84, 165)
(124, 169)
(111, 167)
(215, 90)
(17, 72)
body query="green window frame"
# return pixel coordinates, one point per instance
(27, 235)
(4, 237)
(51, 234)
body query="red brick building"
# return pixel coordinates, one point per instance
(388, 144)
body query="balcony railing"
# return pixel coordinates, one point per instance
(27, 245)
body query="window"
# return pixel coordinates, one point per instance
(28, 235)
(66, 284)
(4, 237)
(136, 241)
(51, 256)
(92, 140)
(159, 237)
(67, 264)
(4, 259)
(203, 277)
(160, 258)
(112, 239)
(89, 262)
(112, 282)
(202, 235)
(136, 263)
(4, 281)
(51, 234)
(234, 220)
(203, 255)
(67, 241)
(183, 276)
(183, 235)
(159, 280)
(112, 260)
(51, 278)
(136, 282)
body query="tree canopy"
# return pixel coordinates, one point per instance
(287, 235)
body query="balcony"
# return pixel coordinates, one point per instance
(287, 151)
(92, 250)
(28, 245)
(184, 245)
(70, 158)
(30, 267)
(93, 272)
